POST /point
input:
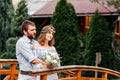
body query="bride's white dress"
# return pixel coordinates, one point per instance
(39, 52)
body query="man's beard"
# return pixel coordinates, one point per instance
(31, 37)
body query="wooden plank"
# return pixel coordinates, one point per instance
(5, 72)
(12, 69)
(17, 71)
(70, 78)
(90, 78)
(7, 77)
(104, 76)
(78, 75)
(8, 61)
(2, 72)
(43, 77)
(15, 77)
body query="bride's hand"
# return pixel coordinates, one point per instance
(50, 66)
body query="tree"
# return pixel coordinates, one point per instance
(21, 14)
(6, 14)
(99, 39)
(10, 46)
(65, 22)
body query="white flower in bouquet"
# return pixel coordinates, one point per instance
(55, 63)
(51, 59)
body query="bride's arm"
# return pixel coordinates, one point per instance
(36, 46)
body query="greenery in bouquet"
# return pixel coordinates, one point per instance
(51, 59)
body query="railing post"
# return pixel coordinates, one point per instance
(98, 60)
(12, 69)
(43, 77)
(104, 76)
(78, 75)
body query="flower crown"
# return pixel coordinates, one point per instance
(48, 29)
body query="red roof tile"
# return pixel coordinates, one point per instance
(81, 7)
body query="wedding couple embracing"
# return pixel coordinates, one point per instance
(36, 54)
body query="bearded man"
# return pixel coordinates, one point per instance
(24, 53)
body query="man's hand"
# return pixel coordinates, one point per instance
(37, 61)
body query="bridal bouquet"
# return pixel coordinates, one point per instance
(51, 59)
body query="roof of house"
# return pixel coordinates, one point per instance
(33, 5)
(82, 8)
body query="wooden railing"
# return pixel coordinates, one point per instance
(72, 72)
(11, 73)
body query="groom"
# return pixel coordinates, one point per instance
(24, 53)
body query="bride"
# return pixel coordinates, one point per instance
(45, 44)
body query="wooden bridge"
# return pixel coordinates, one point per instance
(73, 72)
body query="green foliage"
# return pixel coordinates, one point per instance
(67, 40)
(6, 55)
(6, 14)
(10, 46)
(21, 14)
(99, 39)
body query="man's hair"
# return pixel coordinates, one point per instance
(25, 25)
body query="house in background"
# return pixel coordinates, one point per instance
(41, 11)
(33, 5)
(84, 10)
